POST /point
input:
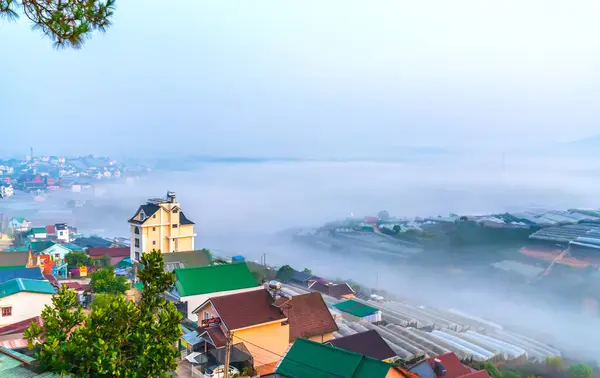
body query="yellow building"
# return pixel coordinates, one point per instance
(160, 224)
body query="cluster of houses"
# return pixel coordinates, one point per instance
(230, 321)
(41, 173)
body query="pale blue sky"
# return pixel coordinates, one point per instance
(308, 78)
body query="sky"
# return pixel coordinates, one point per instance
(310, 79)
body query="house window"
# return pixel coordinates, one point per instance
(153, 228)
(154, 216)
(142, 216)
(175, 225)
(175, 211)
(137, 255)
(205, 315)
(137, 243)
(137, 231)
(153, 242)
(6, 311)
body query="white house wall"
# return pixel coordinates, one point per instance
(24, 306)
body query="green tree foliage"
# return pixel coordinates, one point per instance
(77, 259)
(68, 23)
(580, 371)
(118, 338)
(284, 274)
(555, 363)
(105, 281)
(307, 271)
(492, 370)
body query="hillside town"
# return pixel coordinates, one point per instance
(240, 318)
(39, 174)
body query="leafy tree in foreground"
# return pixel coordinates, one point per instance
(68, 23)
(106, 281)
(77, 259)
(118, 338)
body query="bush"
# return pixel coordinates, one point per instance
(77, 259)
(580, 371)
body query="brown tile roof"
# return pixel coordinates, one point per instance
(14, 258)
(19, 327)
(73, 285)
(308, 316)
(331, 289)
(215, 334)
(110, 252)
(454, 368)
(50, 277)
(476, 374)
(246, 309)
(369, 343)
(340, 290)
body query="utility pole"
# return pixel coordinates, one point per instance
(227, 355)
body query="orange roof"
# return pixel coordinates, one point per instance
(269, 369)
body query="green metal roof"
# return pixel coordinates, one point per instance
(11, 267)
(37, 230)
(309, 359)
(355, 308)
(73, 247)
(213, 279)
(139, 286)
(18, 285)
(12, 367)
(39, 246)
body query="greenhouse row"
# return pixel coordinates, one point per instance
(413, 331)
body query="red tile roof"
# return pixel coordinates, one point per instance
(454, 368)
(216, 335)
(19, 327)
(246, 309)
(50, 277)
(50, 229)
(308, 315)
(110, 252)
(477, 374)
(73, 285)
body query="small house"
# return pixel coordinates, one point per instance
(338, 291)
(19, 224)
(197, 285)
(38, 233)
(114, 254)
(308, 316)
(356, 311)
(248, 318)
(62, 232)
(369, 343)
(23, 298)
